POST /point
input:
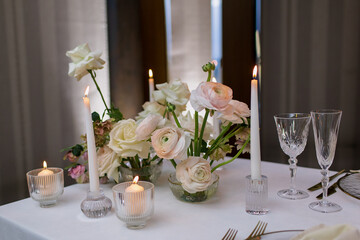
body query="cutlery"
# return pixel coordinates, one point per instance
(230, 234)
(258, 230)
(268, 233)
(319, 186)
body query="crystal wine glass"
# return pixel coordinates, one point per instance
(293, 130)
(326, 125)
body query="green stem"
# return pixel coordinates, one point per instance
(137, 161)
(123, 164)
(173, 163)
(191, 149)
(156, 157)
(217, 140)
(203, 129)
(176, 119)
(232, 159)
(209, 76)
(196, 133)
(98, 88)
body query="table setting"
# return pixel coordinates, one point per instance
(166, 175)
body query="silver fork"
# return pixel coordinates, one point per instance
(258, 230)
(230, 234)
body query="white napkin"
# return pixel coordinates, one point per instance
(336, 232)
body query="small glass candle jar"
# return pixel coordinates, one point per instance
(46, 188)
(134, 207)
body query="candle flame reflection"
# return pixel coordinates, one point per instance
(150, 73)
(213, 79)
(136, 179)
(44, 164)
(255, 71)
(86, 91)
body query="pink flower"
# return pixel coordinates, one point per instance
(76, 172)
(170, 143)
(214, 62)
(70, 156)
(235, 112)
(211, 95)
(147, 126)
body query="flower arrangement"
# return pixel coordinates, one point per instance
(164, 129)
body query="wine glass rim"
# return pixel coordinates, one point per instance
(326, 111)
(292, 115)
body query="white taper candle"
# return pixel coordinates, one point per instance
(92, 159)
(254, 131)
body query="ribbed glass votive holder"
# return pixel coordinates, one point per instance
(256, 195)
(46, 189)
(134, 208)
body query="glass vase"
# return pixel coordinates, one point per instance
(185, 196)
(149, 173)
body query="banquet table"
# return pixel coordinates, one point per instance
(174, 219)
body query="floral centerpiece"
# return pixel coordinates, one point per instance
(165, 130)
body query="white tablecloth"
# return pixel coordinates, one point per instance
(174, 219)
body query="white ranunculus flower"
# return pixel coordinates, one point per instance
(150, 108)
(176, 93)
(147, 126)
(194, 174)
(170, 143)
(211, 95)
(188, 123)
(83, 60)
(235, 112)
(123, 140)
(108, 163)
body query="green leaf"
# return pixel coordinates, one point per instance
(71, 165)
(95, 117)
(77, 149)
(203, 147)
(115, 114)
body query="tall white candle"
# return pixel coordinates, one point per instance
(151, 85)
(254, 131)
(92, 161)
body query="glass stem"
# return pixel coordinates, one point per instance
(292, 161)
(325, 184)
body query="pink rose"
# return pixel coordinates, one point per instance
(170, 143)
(235, 112)
(211, 95)
(76, 172)
(147, 126)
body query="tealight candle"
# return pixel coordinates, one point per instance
(134, 198)
(46, 171)
(151, 85)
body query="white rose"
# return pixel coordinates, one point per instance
(150, 108)
(194, 174)
(170, 143)
(210, 95)
(188, 123)
(123, 140)
(147, 126)
(83, 60)
(176, 93)
(235, 112)
(108, 163)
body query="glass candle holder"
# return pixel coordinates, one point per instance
(134, 208)
(46, 189)
(256, 195)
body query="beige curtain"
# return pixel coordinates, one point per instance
(311, 61)
(41, 105)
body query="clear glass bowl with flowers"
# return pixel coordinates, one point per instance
(186, 140)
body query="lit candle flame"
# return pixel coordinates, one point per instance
(136, 179)
(255, 71)
(86, 91)
(44, 164)
(150, 73)
(213, 79)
